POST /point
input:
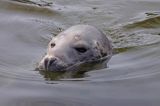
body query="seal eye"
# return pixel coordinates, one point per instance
(52, 45)
(81, 49)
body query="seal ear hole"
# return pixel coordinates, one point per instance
(52, 45)
(80, 49)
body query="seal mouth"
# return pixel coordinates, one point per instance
(54, 66)
(85, 65)
(80, 66)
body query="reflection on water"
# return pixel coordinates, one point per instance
(132, 78)
(152, 21)
(48, 75)
(38, 2)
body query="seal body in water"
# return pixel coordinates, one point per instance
(81, 47)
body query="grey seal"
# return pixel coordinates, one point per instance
(80, 47)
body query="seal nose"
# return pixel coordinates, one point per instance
(51, 61)
(48, 62)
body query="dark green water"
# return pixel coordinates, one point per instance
(133, 76)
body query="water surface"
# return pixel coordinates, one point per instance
(133, 75)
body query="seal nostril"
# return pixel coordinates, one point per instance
(48, 62)
(51, 61)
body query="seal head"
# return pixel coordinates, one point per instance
(75, 47)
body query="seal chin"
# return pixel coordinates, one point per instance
(56, 68)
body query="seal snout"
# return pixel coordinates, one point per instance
(48, 62)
